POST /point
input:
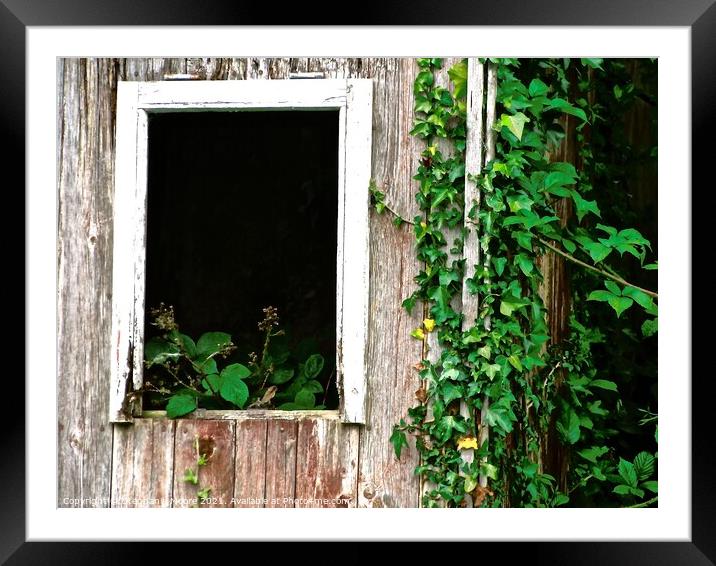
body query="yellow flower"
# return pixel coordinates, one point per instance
(423, 224)
(418, 333)
(429, 324)
(466, 443)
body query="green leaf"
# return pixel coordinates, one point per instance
(485, 351)
(557, 180)
(622, 489)
(524, 239)
(184, 342)
(211, 343)
(213, 382)
(497, 417)
(398, 440)
(600, 295)
(190, 477)
(499, 263)
(593, 63)
(233, 389)
(470, 483)
(641, 298)
(450, 392)
(458, 75)
(650, 327)
(569, 245)
(564, 106)
(644, 465)
(515, 123)
(627, 472)
(598, 252)
(568, 427)
(613, 287)
(179, 405)
(206, 367)
(281, 375)
(157, 351)
(620, 304)
(457, 171)
(584, 206)
(235, 371)
(525, 264)
(305, 399)
(491, 370)
(313, 386)
(537, 88)
(593, 453)
(313, 366)
(560, 499)
(651, 485)
(515, 362)
(604, 384)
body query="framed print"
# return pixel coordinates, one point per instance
(299, 269)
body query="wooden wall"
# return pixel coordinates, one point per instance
(355, 459)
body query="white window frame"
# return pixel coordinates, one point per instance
(135, 101)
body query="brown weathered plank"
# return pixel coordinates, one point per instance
(217, 440)
(280, 487)
(84, 318)
(392, 353)
(143, 463)
(327, 464)
(250, 480)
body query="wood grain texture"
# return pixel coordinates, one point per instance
(280, 487)
(326, 464)
(250, 476)
(84, 277)
(216, 439)
(385, 481)
(143, 463)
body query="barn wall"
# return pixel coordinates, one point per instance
(86, 441)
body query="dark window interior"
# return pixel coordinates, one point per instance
(242, 214)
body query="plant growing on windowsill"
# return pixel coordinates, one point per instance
(188, 374)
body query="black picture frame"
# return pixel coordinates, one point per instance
(699, 15)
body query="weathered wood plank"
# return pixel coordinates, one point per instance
(250, 414)
(215, 439)
(84, 278)
(392, 353)
(250, 480)
(143, 463)
(281, 463)
(327, 464)
(490, 109)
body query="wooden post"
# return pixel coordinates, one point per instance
(489, 155)
(473, 166)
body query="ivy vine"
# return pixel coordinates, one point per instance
(504, 367)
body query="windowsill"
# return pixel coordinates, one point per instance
(264, 414)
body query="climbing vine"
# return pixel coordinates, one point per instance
(503, 372)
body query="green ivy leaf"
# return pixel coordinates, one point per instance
(515, 123)
(398, 440)
(458, 76)
(450, 392)
(515, 362)
(179, 405)
(593, 63)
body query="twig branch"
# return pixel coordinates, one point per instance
(398, 216)
(644, 504)
(596, 269)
